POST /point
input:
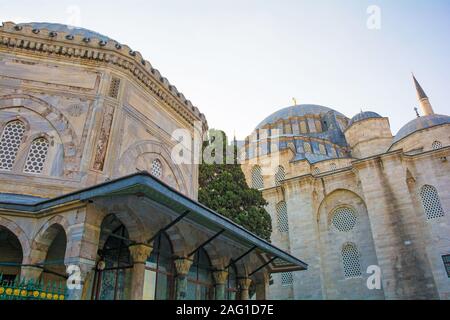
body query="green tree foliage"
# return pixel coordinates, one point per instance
(223, 188)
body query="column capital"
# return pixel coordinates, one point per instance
(220, 276)
(140, 253)
(245, 283)
(182, 266)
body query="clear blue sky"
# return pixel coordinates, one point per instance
(240, 61)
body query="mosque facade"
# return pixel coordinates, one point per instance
(368, 210)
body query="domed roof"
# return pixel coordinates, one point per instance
(363, 116)
(67, 29)
(297, 111)
(420, 124)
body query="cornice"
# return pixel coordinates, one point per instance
(67, 46)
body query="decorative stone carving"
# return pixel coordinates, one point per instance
(140, 253)
(182, 266)
(220, 277)
(75, 110)
(103, 139)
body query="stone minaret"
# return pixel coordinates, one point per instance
(425, 104)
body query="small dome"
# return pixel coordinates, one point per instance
(363, 116)
(297, 111)
(66, 29)
(420, 124)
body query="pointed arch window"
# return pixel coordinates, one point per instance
(280, 176)
(257, 178)
(200, 279)
(282, 217)
(37, 156)
(352, 261)
(159, 273)
(10, 141)
(431, 202)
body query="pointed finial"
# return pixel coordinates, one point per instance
(425, 104)
(295, 101)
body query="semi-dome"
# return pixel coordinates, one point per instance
(363, 116)
(57, 27)
(297, 111)
(421, 124)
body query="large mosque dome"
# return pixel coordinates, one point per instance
(298, 111)
(421, 123)
(312, 132)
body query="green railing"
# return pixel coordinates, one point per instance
(31, 290)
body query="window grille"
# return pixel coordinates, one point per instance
(351, 261)
(437, 145)
(282, 217)
(280, 176)
(431, 202)
(287, 279)
(37, 156)
(257, 178)
(333, 167)
(344, 219)
(316, 171)
(9, 144)
(157, 170)
(446, 260)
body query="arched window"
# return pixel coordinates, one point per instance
(351, 261)
(159, 274)
(257, 178)
(316, 171)
(157, 171)
(37, 156)
(232, 285)
(344, 219)
(431, 202)
(113, 277)
(282, 217)
(436, 145)
(280, 175)
(200, 279)
(9, 144)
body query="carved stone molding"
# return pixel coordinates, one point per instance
(74, 47)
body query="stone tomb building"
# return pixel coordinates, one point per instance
(87, 180)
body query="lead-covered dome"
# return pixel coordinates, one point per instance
(297, 111)
(363, 116)
(421, 124)
(56, 27)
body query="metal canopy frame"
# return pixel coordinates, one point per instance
(207, 242)
(234, 261)
(170, 225)
(263, 266)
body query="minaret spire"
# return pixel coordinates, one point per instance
(425, 104)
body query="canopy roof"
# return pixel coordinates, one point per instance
(145, 185)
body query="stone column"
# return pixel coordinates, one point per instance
(262, 287)
(220, 278)
(244, 286)
(81, 253)
(30, 273)
(139, 253)
(182, 267)
(78, 272)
